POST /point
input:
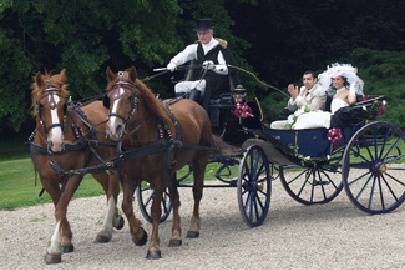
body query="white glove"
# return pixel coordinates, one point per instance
(171, 66)
(352, 90)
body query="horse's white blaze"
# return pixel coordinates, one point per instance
(114, 119)
(107, 225)
(55, 133)
(55, 240)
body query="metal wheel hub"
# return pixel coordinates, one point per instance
(378, 168)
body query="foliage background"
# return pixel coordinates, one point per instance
(277, 39)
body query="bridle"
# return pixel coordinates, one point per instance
(51, 91)
(119, 89)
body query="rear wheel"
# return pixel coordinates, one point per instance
(145, 195)
(373, 175)
(254, 186)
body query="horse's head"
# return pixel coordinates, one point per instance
(121, 100)
(48, 101)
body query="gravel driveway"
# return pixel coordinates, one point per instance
(332, 236)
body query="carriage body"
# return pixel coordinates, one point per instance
(313, 169)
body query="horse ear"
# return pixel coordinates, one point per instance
(38, 79)
(110, 75)
(62, 75)
(132, 73)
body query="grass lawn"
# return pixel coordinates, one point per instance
(17, 185)
(17, 178)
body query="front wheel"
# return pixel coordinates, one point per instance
(254, 186)
(373, 169)
(145, 194)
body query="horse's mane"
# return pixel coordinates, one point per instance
(37, 91)
(155, 106)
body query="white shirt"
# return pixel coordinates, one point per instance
(190, 53)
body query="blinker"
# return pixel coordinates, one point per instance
(106, 101)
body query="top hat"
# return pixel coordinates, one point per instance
(204, 24)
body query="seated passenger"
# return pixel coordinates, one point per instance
(345, 85)
(343, 97)
(310, 95)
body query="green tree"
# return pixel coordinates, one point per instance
(86, 36)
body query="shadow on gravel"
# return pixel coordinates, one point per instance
(327, 212)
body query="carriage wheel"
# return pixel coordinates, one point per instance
(254, 186)
(372, 169)
(145, 194)
(313, 184)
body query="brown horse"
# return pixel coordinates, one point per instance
(57, 129)
(137, 117)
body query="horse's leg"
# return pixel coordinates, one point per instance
(51, 185)
(175, 241)
(199, 164)
(114, 188)
(138, 234)
(110, 184)
(62, 234)
(154, 246)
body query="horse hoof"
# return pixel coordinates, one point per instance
(51, 258)
(153, 255)
(103, 237)
(67, 248)
(119, 223)
(192, 234)
(175, 243)
(143, 241)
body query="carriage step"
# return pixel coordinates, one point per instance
(320, 183)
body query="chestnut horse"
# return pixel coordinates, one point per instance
(137, 118)
(57, 129)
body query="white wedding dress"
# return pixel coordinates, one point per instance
(316, 119)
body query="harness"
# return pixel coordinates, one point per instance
(81, 142)
(166, 143)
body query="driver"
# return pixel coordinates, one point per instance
(213, 55)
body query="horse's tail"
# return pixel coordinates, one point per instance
(223, 148)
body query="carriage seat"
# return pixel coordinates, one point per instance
(184, 88)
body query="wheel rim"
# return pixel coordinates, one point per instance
(145, 194)
(372, 168)
(254, 186)
(314, 184)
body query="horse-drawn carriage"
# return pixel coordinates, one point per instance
(314, 165)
